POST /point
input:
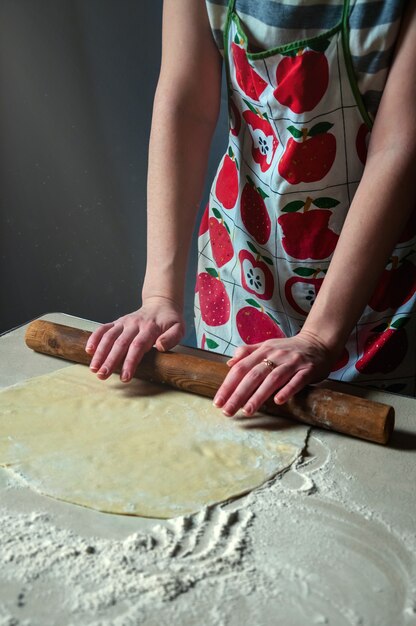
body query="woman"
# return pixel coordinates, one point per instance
(292, 276)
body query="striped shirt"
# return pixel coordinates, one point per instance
(374, 26)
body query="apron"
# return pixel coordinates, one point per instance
(296, 153)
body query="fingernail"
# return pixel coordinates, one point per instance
(103, 371)
(248, 409)
(90, 348)
(94, 368)
(229, 411)
(125, 376)
(218, 401)
(278, 400)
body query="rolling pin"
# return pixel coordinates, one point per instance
(316, 406)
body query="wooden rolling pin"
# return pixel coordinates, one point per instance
(317, 406)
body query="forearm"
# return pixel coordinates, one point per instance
(185, 113)
(379, 211)
(178, 154)
(381, 206)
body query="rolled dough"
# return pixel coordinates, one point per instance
(136, 449)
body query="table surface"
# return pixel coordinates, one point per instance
(332, 541)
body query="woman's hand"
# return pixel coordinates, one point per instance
(158, 322)
(284, 366)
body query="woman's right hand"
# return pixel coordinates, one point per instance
(159, 322)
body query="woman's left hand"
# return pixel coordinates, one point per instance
(284, 366)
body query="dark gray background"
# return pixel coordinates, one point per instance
(77, 84)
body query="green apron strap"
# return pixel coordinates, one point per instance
(231, 4)
(230, 11)
(349, 64)
(345, 13)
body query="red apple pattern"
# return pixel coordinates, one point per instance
(255, 325)
(361, 142)
(342, 361)
(214, 301)
(256, 277)
(306, 234)
(234, 117)
(249, 81)
(291, 134)
(310, 159)
(221, 244)
(302, 80)
(302, 289)
(385, 348)
(263, 137)
(203, 226)
(396, 285)
(226, 188)
(254, 213)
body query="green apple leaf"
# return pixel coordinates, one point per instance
(250, 181)
(250, 106)
(319, 129)
(319, 45)
(253, 303)
(267, 260)
(272, 318)
(325, 203)
(252, 248)
(216, 213)
(293, 206)
(266, 117)
(262, 193)
(230, 152)
(305, 272)
(295, 132)
(227, 227)
(213, 272)
(211, 344)
(237, 39)
(399, 323)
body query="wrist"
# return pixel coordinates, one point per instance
(157, 297)
(328, 340)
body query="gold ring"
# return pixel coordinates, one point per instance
(269, 364)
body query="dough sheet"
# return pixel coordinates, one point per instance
(137, 449)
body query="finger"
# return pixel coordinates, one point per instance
(104, 347)
(117, 352)
(141, 343)
(277, 377)
(240, 353)
(96, 337)
(295, 384)
(170, 338)
(251, 381)
(235, 376)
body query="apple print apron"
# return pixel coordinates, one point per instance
(296, 154)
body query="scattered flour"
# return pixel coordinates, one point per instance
(243, 563)
(146, 570)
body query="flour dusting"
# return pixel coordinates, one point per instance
(146, 569)
(298, 551)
